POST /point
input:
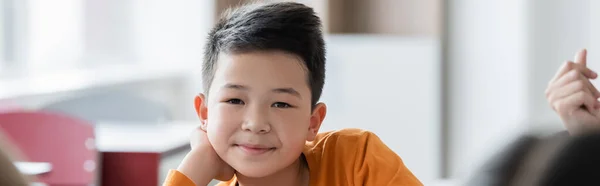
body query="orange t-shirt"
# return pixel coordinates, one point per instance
(342, 157)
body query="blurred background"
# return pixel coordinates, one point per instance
(444, 83)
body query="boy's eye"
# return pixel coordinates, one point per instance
(281, 105)
(235, 101)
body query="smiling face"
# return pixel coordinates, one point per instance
(258, 111)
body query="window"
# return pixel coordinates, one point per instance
(5, 16)
(41, 34)
(58, 34)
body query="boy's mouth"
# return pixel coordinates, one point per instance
(254, 149)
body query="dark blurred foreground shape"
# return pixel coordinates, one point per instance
(9, 174)
(534, 160)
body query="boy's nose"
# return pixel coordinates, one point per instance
(257, 122)
(259, 127)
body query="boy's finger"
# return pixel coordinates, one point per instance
(587, 72)
(573, 102)
(590, 103)
(573, 75)
(581, 57)
(567, 90)
(566, 67)
(570, 84)
(593, 89)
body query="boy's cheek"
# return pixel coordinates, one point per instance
(218, 137)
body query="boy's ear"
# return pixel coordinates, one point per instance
(317, 117)
(201, 109)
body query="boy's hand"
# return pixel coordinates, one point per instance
(573, 97)
(202, 164)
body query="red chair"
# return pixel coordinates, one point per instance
(64, 142)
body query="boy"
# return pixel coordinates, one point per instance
(574, 98)
(263, 75)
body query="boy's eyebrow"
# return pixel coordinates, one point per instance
(290, 91)
(235, 86)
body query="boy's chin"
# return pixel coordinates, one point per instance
(254, 171)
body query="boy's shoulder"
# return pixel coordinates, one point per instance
(344, 140)
(339, 147)
(334, 154)
(345, 134)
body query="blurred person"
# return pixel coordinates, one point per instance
(263, 74)
(9, 174)
(11, 150)
(535, 159)
(566, 158)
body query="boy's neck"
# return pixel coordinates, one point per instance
(296, 174)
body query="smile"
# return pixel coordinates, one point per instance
(254, 149)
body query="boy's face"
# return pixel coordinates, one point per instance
(258, 113)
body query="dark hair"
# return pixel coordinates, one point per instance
(286, 26)
(576, 163)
